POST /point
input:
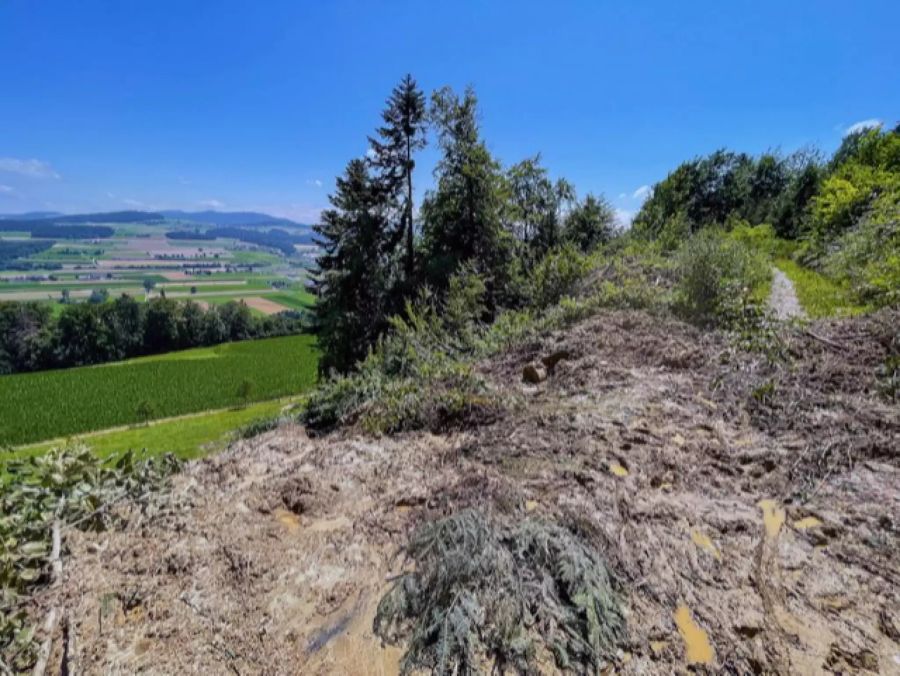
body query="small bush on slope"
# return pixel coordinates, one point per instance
(715, 272)
(487, 589)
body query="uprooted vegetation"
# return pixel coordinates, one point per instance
(662, 493)
(611, 518)
(605, 519)
(491, 591)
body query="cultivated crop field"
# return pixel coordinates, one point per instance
(50, 404)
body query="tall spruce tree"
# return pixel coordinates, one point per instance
(591, 223)
(351, 279)
(399, 138)
(462, 217)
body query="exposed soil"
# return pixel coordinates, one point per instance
(269, 307)
(752, 529)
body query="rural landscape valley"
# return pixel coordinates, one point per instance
(557, 355)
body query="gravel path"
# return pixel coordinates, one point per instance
(783, 298)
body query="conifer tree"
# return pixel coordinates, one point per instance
(536, 205)
(350, 280)
(398, 139)
(591, 223)
(462, 217)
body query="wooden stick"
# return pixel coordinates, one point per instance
(55, 579)
(827, 341)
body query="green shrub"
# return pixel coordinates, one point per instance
(557, 275)
(418, 375)
(258, 426)
(714, 272)
(867, 257)
(761, 238)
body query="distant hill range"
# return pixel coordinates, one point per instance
(30, 215)
(245, 219)
(231, 218)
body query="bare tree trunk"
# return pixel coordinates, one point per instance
(410, 252)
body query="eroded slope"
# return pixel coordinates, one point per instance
(748, 512)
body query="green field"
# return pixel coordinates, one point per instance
(296, 300)
(187, 437)
(50, 404)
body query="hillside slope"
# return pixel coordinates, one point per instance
(747, 511)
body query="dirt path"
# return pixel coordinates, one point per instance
(752, 528)
(783, 299)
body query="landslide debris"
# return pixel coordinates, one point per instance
(652, 506)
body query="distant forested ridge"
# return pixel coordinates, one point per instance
(230, 218)
(45, 230)
(111, 217)
(31, 339)
(31, 215)
(274, 238)
(245, 219)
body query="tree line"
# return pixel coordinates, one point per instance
(45, 230)
(841, 212)
(11, 250)
(32, 339)
(379, 252)
(274, 238)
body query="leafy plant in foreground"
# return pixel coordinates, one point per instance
(66, 488)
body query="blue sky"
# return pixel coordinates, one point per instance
(258, 105)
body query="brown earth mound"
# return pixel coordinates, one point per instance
(751, 528)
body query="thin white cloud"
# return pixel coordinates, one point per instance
(624, 217)
(623, 196)
(316, 182)
(212, 204)
(31, 168)
(6, 190)
(641, 193)
(133, 203)
(302, 213)
(184, 181)
(862, 125)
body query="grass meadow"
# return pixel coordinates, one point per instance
(50, 404)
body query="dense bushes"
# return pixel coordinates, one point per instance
(840, 217)
(714, 273)
(31, 339)
(557, 275)
(421, 373)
